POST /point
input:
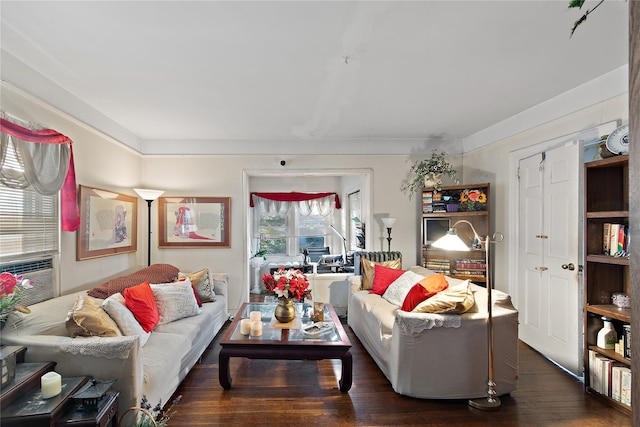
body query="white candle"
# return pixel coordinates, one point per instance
(245, 326)
(256, 329)
(255, 316)
(51, 384)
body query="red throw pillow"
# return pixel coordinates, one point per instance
(416, 295)
(139, 299)
(383, 277)
(424, 289)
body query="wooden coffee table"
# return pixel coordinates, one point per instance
(286, 344)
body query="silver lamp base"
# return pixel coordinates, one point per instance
(486, 404)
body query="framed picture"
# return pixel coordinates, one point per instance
(108, 223)
(194, 222)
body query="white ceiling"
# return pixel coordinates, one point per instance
(212, 72)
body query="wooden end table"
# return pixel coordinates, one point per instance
(285, 344)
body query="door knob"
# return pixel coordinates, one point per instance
(569, 266)
(541, 268)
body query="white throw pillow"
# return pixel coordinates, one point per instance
(398, 290)
(175, 301)
(124, 318)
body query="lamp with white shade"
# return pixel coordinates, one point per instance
(452, 242)
(149, 196)
(388, 223)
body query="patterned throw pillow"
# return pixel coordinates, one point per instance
(203, 285)
(398, 290)
(88, 319)
(368, 270)
(156, 273)
(118, 311)
(175, 301)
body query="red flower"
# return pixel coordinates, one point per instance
(7, 284)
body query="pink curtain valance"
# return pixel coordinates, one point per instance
(294, 197)
(69, 205)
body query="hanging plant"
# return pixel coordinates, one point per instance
(429, 173)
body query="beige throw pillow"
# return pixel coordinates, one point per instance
(369, 269)
(88, 319)
(126, 321)
(454, 300)
(202, 284)
(175, 301)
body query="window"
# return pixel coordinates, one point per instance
(290, 232)
(29, 236)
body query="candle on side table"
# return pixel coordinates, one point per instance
(255, 316)
(245, 326)
(51, 384)
(256, 329)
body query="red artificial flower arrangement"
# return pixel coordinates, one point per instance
(291, 283)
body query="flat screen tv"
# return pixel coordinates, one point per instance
(433, 229)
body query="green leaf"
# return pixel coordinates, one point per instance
(576, 3)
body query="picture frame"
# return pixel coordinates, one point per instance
(108, 223)
(194, 222)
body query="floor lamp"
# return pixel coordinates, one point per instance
(452, 242)
(388, 223)
(149, 196)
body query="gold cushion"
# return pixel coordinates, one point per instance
(369, 267)
(201, 282)
(454, 300)
(87, 318)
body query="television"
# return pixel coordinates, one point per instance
(433, 229)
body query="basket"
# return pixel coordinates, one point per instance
(122, 422)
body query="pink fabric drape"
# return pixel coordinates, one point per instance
(69, 206)
(294, 197)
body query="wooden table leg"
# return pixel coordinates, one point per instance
(223, 370)
(347, 372)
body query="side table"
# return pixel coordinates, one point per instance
(102, 415)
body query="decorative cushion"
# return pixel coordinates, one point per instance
(455, 300)
(383, 277)
(88, 319)
(201, 282)
(195, 293)
(398, 290)
(174, 301)
(140, 300)
(156, 273)
(118, 311)
(368, 270)
(425, 288)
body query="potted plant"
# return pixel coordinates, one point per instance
(429, 173)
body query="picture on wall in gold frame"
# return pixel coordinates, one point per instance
(194, 222)
(108, 223)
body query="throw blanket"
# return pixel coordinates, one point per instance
(414, 323)
(109, 348)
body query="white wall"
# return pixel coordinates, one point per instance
(100, 163)
(491, 164)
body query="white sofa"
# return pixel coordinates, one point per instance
(154, 370)
(435, 356)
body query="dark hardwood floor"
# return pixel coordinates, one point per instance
(305, 393)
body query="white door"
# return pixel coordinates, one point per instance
(548, 230)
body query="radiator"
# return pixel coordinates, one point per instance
(40, 273)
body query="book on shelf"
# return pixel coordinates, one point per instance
(615, 239)
(427, 201)
(625, 386)
(616, 381)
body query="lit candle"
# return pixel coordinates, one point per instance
(245, 326)
(255, 316)
(256, 329)
(51, 384)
